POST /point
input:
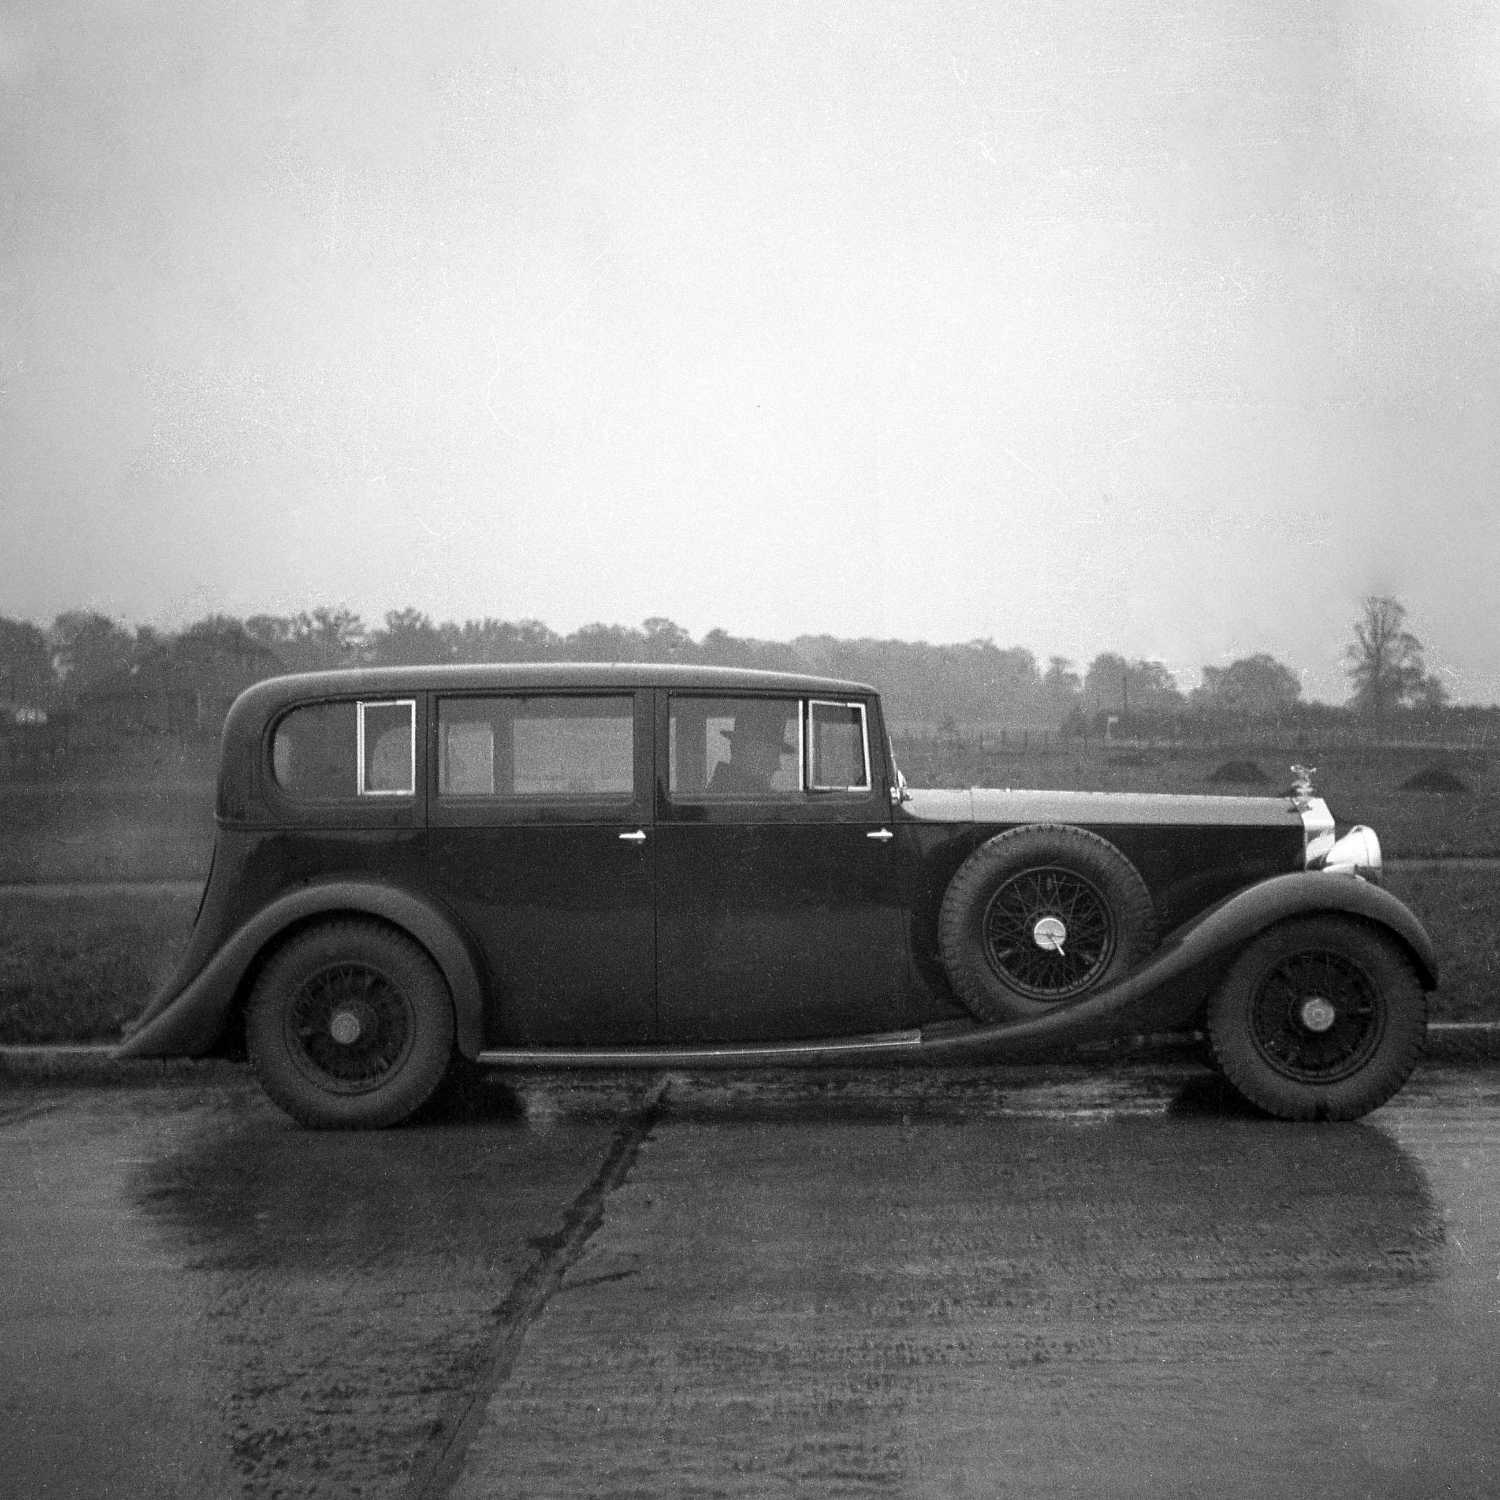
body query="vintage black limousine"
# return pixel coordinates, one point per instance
(418, 869)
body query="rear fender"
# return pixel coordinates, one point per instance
(1169, 990)
(190, 1019)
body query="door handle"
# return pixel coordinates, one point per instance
(883, 834)
(638, 837)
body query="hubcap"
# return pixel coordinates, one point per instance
(345, 1028)
(1050, 934)
(1318, 1014)
(348, 1027)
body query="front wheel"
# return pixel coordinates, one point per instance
(350, 1025)
(1320, 1018)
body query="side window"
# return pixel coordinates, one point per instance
(388, 749)
(325, 751)
(536, 748)
(840, 746)
(734, 747)
(315, 752)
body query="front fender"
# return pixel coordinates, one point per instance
(190, 1019)
(1167, 991)
(1250, 911)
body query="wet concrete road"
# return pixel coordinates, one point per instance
(1028, 1283)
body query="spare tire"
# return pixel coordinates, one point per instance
(1039, 916)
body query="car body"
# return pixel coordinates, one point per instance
(570, 865)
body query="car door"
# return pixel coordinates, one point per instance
(538, 841)
(777, 907)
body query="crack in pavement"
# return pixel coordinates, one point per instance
(437, 1472)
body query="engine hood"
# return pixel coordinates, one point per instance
(1095, 809)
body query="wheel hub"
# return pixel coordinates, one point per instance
(345, 1027)
(1049, 934)
(1318, 1014)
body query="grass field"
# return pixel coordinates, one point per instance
(139, 813)
(1460, 908)
(74, 967)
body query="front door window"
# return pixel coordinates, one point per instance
(735, 747)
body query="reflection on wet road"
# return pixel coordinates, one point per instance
(858, 1283)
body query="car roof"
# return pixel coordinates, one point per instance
(276, 692)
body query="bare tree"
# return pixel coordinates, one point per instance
(1385, 662)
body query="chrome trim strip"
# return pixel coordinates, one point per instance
(804, 746)
(410, 705)
(864, 735)
(1318, 832)
(727, 1054)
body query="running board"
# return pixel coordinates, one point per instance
(722, 1055)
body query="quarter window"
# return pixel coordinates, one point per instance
(327, 751)
(840, 747)
(536, 748)
(314, 754)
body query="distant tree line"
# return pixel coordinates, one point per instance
(974, 682)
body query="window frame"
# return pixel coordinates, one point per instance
(472, 809)
(283, 805)
(364, 792)
(677, 806)
(776, 797)
(809, 741)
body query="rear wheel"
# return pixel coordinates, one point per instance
(1321, 1018)
(350, 1025)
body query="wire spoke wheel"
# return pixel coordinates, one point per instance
(1048, 933)
(1320, 1018)
(1316, 1016)
(350, 1026)
(1041, 915)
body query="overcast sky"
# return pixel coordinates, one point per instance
(1163, 328)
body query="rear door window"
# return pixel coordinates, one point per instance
(537, 749)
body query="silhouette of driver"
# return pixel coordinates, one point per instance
(756, 744)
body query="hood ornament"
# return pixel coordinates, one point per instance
(1302, 788)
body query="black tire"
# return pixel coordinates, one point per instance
(1039, 916)
(350, 1026)
(1320, 1018)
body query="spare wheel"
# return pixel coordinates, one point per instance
(1041, 915)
